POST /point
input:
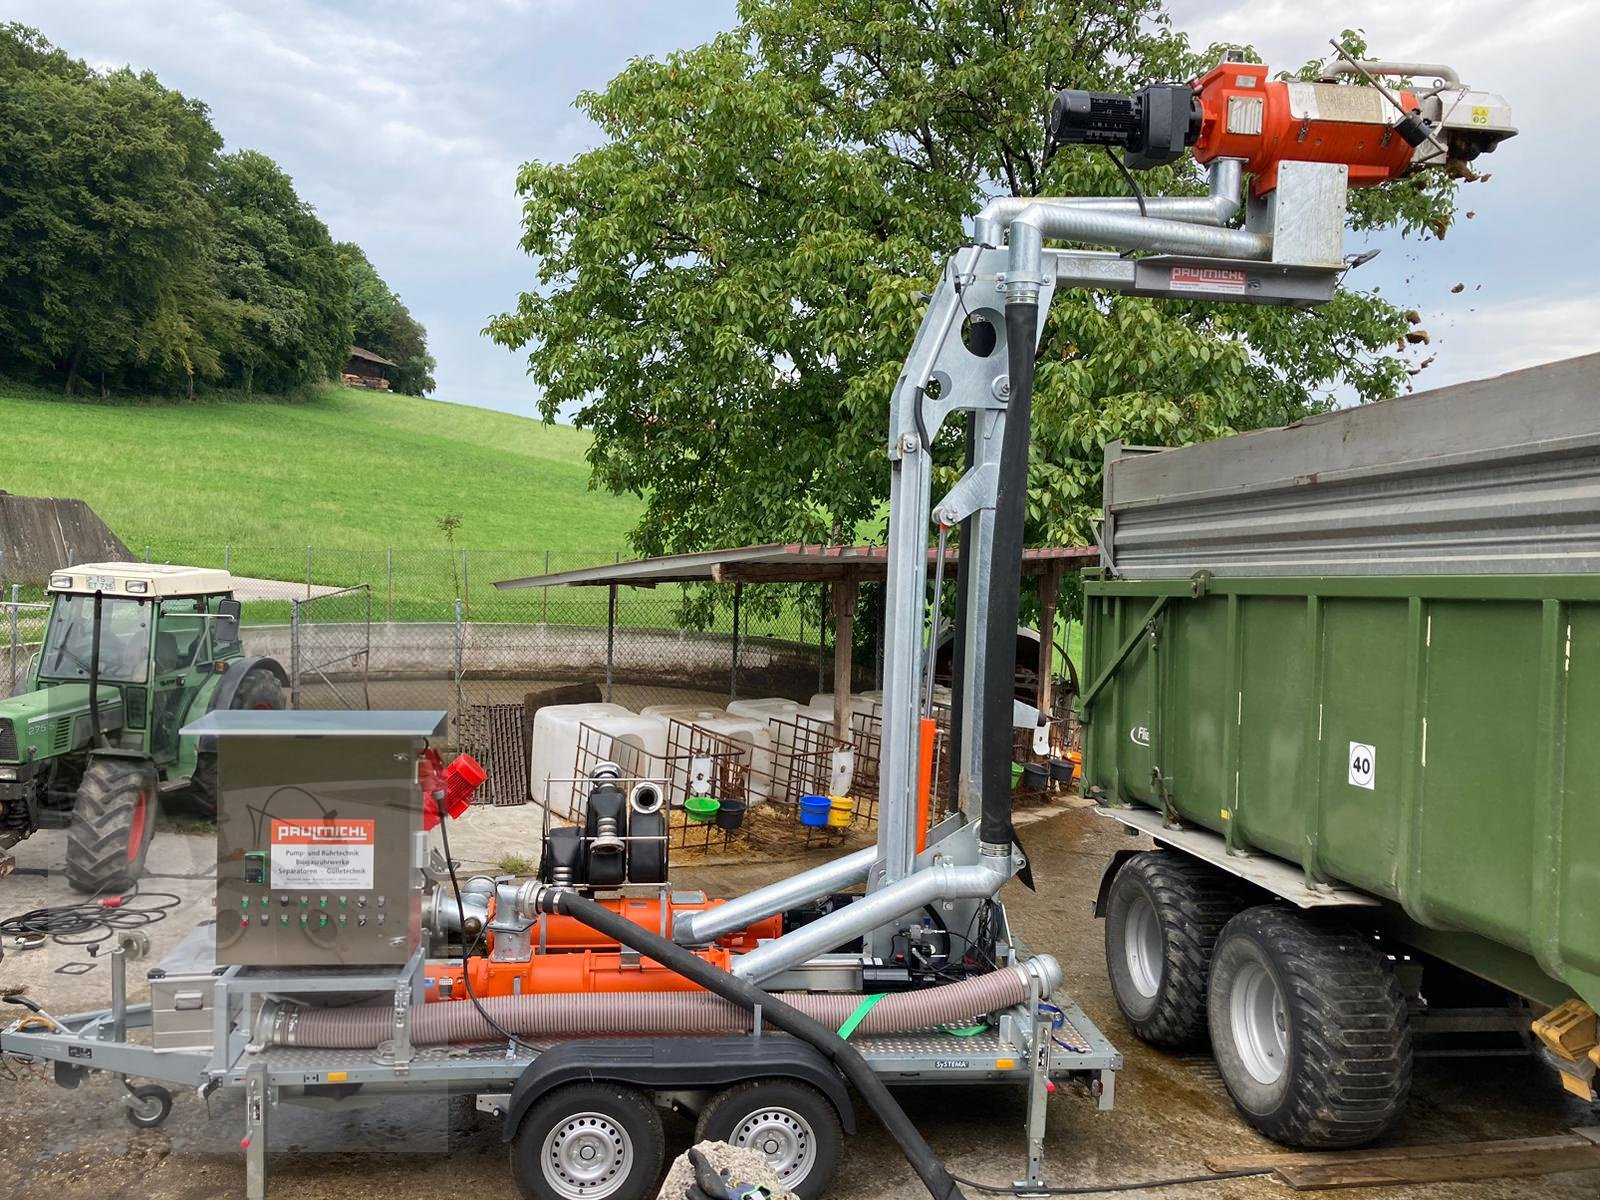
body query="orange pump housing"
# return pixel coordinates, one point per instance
(1265, 122)
(577, 959)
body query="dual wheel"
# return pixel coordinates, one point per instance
(603, 1141)
(1305, 1018)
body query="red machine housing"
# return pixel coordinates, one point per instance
(1265, 121)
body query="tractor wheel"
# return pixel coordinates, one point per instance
(259, 689)
(113, 821)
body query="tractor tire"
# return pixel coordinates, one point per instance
(1163, 914)
(113, 821)
(1309, 1029)
(259, 689)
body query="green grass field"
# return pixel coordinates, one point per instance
(345, 469)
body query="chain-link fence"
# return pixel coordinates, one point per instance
(425, 628)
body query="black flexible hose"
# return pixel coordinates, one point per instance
(1005, 571)
(774, 1011)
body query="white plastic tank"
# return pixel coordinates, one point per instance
(781, 715)
(557, 730)
(756, 743)
(688, 713)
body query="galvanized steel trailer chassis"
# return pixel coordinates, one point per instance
(1026, 1045)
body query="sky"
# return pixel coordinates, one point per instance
(404, 122)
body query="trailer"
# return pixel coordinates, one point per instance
(1344, 674)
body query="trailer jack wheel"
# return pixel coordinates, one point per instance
(148, 1105)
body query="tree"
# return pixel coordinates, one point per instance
(278, 268)
(105, 221)
(727, 287)
(382, 323)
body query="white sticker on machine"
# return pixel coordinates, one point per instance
(323, 854)
(1226, 280)
(1363, 765)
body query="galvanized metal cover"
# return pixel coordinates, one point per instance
(1499, 476)
(302, 723)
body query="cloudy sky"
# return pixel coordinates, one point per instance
(404, 122)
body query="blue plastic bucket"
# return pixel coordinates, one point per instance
(814, 810)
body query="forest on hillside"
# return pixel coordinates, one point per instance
(138, 258)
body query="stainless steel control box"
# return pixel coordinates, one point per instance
(319, 833)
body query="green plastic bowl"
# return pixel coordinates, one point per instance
(702, 808)
(1016, 773)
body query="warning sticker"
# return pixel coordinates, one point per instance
(1209, 279)
(322, 854)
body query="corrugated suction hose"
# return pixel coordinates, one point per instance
(641, 1013)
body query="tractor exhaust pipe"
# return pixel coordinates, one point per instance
(96, 732)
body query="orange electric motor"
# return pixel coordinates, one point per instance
(1266, 121)
(564, 933)
(563, 974)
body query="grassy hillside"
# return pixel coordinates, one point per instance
(346, 469)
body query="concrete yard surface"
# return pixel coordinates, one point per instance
(1171, 1110)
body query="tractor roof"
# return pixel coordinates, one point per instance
(148, 579)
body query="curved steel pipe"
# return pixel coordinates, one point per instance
(698, 928)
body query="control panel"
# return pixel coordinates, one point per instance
(317, 845)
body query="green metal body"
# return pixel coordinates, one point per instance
(167, 668)
(1243, 706)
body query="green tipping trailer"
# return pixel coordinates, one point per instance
(1347, 675)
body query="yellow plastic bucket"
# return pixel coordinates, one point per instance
(841, 811)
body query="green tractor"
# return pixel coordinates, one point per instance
(89, 741)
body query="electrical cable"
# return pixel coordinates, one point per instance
(1018, 1189)
(466, 946)
(1133, 184)
(65, 924)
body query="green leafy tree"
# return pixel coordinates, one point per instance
(383, 324)
(279, 270)
(728, 285)
(105, 222)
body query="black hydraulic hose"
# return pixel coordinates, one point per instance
(958, 639)
(94, 674)
(790, 1020)
(1005, 571)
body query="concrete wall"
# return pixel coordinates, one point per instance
(40, 535)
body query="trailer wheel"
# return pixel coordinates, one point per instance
(113, 820)
(150, 1105)
(1163, 914)
(791, 1123)
(1309, 1029)
(589, 1141)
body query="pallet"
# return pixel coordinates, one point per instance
(1449, 1163)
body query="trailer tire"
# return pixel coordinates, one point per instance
(1309, 1029)
(113, 821)
(790, 1122)
(1164, 912)
(589, 1141)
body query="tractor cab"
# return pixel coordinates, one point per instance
(164, 632)
(131, 652)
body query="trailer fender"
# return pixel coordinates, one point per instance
(1110, 873)
(228, 687)
(700, 1064)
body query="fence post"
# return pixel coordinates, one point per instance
(11, 654)
(611, 638)
(466, 585)
(822, 631)
(460, 637)
(70, 556)
(733, 676)
(147, 552)
(227, 556)
(388, 586)
(294, 654)
(544, 613)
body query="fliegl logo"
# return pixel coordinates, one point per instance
(1139, 735)
(322, 833)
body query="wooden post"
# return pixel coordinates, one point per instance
(1049, 594)
(845, 592)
